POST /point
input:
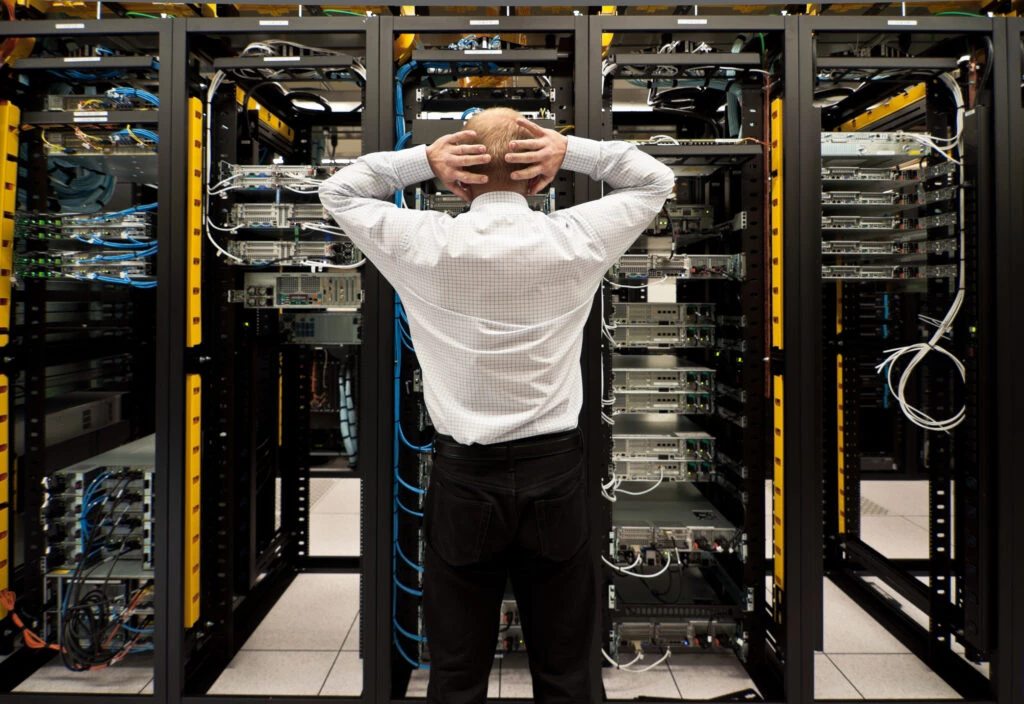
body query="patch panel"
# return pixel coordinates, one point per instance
(105, 226)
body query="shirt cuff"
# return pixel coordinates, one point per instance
(412, 165)
(581, 155)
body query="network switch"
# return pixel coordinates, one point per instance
(867, 144)
(664, 372)
(264, 252)
(651, 469)
(856, 222)
(890, 248)
(664, 336)
(630, 401)
(662, 313)
(262, 216)
(454, 205)
(83, 228)
(660, 436)
(859, 198)
(673, 516)
(859, 173)
(634, 637)
(685, 266)
(263, 177)
(885, 272)
(322, 328)
(335, 291)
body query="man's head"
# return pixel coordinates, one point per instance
(495, 129)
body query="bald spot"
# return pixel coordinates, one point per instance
(495, 128)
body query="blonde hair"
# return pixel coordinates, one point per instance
(495, 128)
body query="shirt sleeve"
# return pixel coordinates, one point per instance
(379, 228)
(641, 183)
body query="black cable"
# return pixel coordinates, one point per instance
(249, 93)
(989, 60)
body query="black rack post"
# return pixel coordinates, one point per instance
(1008, 108)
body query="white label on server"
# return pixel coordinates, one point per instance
(97, 118)
(81, 59)
(692, 20)
(281, 58)
(69, 25)
(482, 51)
(273, 23)
(90, 113)
(902, 23)
(483, 22)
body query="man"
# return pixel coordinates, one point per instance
(497, 299)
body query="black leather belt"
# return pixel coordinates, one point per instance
(537, 446)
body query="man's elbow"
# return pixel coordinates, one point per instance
(666, 180)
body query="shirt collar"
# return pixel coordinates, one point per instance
(498, 200)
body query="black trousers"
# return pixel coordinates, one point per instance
(516, 510)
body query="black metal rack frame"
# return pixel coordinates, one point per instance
(750, 160)
(799, 362)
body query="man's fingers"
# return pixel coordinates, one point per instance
(463, 136)
(468, 177)
(468, 160)
(541, 184)
(525, 157)
(527, 145)
(531, 127)
(470, 148)
(527, 173)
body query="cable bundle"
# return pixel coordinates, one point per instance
(95, 630)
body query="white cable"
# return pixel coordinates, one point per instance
(319, 266)
(648, 490)
(920, 350)
(627, 666)
(636, 563)
(209, 236)
(627, 570)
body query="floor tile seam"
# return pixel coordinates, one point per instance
(840, 670)
(330, 669)
(348, 633)
(290, 650)
(679, 690)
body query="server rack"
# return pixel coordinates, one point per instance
(905, 52)
(729, 179)
(425, 50)
(109, 66)
(256, 181)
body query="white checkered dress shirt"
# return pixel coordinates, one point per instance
(497, 297)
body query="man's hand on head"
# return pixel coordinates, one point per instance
(450, 157)
(543, 155)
